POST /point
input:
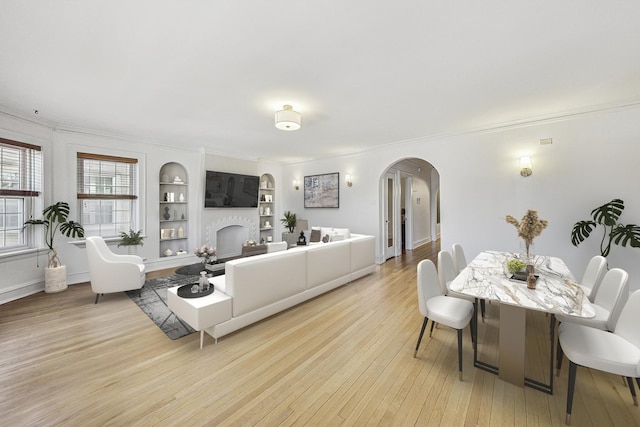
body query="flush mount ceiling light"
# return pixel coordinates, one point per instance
(287, 119)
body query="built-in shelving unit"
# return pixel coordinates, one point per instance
(174, 210)
(266, 207)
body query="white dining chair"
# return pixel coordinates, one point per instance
(593, 274)
(446, 273)
(453, 312)
(111, 272)
(616, 352)
(459, 259)
(610, 298)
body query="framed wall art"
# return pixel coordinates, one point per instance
(322, 191)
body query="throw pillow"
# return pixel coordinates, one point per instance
(315, 236)
(344, 231)
(326, 230)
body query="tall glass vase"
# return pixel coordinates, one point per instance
(527, 252)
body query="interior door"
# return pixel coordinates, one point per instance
(389, 217)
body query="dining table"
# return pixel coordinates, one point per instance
(487, 277)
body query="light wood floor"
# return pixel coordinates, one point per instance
(344, 358)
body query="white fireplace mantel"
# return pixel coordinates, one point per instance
(229, 233)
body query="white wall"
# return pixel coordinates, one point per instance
(592, 160)
(23, 274)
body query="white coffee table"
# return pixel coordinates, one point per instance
(200, 313)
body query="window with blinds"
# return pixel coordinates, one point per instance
(107, 194)
(20, 183)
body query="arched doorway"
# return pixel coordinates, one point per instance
(409, 190)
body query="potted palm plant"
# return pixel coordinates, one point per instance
(289, 221)
(55, 218)
(131, 240)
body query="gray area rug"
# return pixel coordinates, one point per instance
(153, 301)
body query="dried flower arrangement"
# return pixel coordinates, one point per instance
(529, 227)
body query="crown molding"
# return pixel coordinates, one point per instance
(7, 112)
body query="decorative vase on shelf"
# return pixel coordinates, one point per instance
(167, 215)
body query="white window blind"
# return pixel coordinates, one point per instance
(20, 182)
(20, 169)
(107, 193)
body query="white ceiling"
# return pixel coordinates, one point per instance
(362, 73)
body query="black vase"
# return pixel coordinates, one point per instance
(166, 213)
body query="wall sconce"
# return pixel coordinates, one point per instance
(525, 166)
(349, 180)
(295, 184)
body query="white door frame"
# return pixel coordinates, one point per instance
(408, 211)
(391, 226)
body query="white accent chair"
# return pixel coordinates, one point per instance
(610, 298)
(433, 304)
(616, 353)
(593, 275)
(446, 273)
(111, 272)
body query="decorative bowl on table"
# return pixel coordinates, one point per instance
(515, 265)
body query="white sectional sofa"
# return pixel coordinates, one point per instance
(263, 285)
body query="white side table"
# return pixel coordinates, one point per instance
(200, 313)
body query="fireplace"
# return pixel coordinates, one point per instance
(229, 233)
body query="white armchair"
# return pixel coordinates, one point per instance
(111, 272)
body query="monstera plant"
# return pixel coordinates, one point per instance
(55, 218)
(607, 216)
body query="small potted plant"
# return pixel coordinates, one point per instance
(56, 218)
(289, 221)
(132, 240)
(515, 265)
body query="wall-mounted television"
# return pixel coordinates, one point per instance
(230, 190)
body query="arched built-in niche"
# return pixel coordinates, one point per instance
(174, 210)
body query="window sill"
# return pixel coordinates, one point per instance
(22, 253)
(108, 240)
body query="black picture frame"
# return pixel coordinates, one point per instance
(322, 191)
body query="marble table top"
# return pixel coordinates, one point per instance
(487, 277)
